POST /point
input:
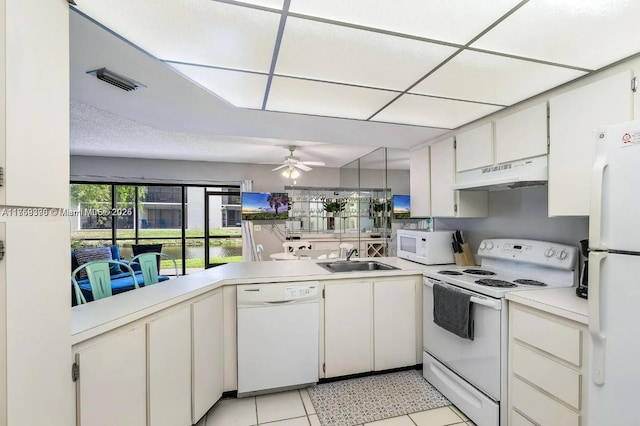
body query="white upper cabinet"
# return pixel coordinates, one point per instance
(573, 117)
(522, 135)
(446, 202)
(475, 148)
(420, 182)
(34, 117)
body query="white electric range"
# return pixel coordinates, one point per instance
(473, 373)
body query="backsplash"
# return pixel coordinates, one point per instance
(519, 213)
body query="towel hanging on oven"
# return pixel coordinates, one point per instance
(452, 311)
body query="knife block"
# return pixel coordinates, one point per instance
(466, 257)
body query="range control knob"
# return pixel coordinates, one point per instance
(550, 252)
(483, 245)
(489, 245)
(562, 255)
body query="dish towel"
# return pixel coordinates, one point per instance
(452, 311)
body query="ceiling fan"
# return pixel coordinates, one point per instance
(291, 164)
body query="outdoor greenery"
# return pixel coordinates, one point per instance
(199, 263)
(334, 206)
(99, 196)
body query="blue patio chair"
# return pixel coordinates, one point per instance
(99, 277)
(148, 263)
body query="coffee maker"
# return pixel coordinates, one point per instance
(583, 286)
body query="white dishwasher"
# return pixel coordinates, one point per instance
(278, 335)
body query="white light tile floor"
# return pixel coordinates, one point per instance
(294, 408)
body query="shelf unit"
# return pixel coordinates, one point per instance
(364, 211)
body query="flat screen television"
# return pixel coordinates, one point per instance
(402, 206)
(264, 205)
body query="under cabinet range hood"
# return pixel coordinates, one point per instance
(512, 175)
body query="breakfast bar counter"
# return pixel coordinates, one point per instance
(92, 319)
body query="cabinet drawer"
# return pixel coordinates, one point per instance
(540, 408)
(551, 376)
(518, 420)
(558, 339)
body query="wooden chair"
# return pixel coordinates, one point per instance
(149, 266)
(99, 278)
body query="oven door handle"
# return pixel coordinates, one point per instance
(493, 304)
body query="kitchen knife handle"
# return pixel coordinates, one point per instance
(595, 329)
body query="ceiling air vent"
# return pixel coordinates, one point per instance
(114, 79)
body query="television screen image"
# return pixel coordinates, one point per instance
(402, 206)
(265, 205)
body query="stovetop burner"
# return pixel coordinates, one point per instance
(495, 283)
(450, 272)
(478, 272)
(529, 282)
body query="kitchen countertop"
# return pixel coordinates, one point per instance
(92, 319)
(558, 301)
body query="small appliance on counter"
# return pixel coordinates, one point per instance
(426, 247)
(583, 286)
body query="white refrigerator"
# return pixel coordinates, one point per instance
(614, 277)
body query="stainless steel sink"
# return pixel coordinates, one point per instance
(355, 265)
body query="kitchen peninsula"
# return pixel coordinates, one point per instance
(124, 344)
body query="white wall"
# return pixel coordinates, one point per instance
(519, 213)
(174, 171)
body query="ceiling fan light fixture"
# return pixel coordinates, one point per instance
(291, 173)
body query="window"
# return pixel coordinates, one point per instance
(159, 214)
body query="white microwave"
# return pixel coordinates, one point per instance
(426, 247)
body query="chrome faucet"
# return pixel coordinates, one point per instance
(351, 252)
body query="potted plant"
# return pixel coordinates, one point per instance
(382, 206)
(333, 208)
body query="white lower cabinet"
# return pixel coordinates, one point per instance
(394, 324)
(370, 325)
(208, 353)
(348, 327)
(112, 389)
(547, 368)
(169, 366)
(164, 369)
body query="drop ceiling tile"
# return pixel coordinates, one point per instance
(326, 99)
(272, 4)
(453, 21)
(194, 31)
(240, 89)
(583, 33)
(483, 77)
(433, 112)
(334, 53)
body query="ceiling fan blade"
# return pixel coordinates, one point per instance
(313, 163)
(280, 167)
(303, 167)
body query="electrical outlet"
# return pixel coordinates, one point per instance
(257, 228)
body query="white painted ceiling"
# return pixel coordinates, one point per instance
(239, 81)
